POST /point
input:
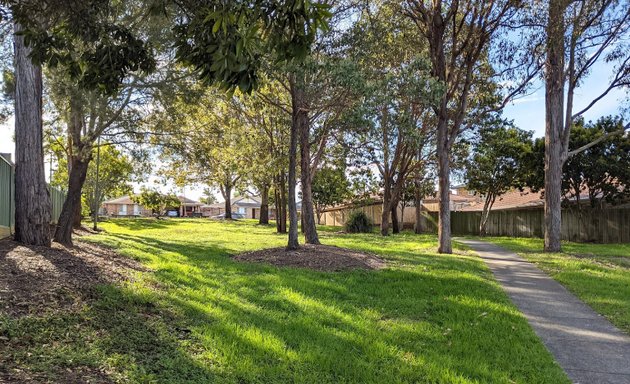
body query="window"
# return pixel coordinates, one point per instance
(471, 193)
(241, 210)
(122, 209)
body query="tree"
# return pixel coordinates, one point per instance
(458, 35)
(602, 170)
(330, 187)
(115, 174)
(497, 164)
(208, 197)
(32, 202)
(155, 201)
(207, 143)
(578, 34)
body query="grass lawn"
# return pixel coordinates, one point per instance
(599, 274)
(200, 317)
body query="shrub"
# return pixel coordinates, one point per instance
(358, 222)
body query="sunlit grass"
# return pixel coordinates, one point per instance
(599, 274)
(200, 317)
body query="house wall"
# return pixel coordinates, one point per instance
(115, 209)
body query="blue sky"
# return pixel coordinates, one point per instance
(529, 112)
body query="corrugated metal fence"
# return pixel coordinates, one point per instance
(7, 199)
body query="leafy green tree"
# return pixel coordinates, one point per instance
(459, 37)
(330, 187)
(601, 170)
(578, 36)
(399, 93)
(155, 201)
(497, 164)
(116, 172)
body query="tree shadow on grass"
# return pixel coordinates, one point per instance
(111, 333)
(447, 323)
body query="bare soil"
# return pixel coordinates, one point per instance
(317, 257)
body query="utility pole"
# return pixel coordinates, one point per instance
(96, 196)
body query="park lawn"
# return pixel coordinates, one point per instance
(200, 317)
(599, 274)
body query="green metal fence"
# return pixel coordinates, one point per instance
(6, 193)
(7, 199)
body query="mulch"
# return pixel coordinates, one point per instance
(317, 257)
(36, 280)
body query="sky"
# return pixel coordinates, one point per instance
(527, 113)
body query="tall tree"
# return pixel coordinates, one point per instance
(579, 35)
(458, 34)
(32, 202)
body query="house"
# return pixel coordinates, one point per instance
(125, 207)
(248, 206)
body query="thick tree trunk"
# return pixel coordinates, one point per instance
(78, 210)
(385, 213)
(554, 127)
(264, 205)
(76, 179)
(227, 197)
(395, 224)
(32, 201)
(300, 111)
(444, 169)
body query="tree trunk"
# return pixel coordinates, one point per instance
(63, 233)
(402, 217)
(78, 210)
(418, 227)
(385, 214)
(485, 214)
(554, 125)
(395, 224)
(227, 196)
(283, 199)
(444, 222)
(293, 216)
(264, 205)
(300, 112)
(32, 201)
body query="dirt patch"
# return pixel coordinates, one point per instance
(317, 257)
(36, 280)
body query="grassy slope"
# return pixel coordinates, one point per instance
(200, 317)
(599, 274)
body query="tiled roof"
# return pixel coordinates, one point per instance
(512, 200)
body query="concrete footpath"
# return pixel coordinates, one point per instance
(587, 346)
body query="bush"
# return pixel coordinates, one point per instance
(358, 222)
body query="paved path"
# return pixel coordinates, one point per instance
(586, 345)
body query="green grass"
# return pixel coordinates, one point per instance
(599, 274)
(200, 317)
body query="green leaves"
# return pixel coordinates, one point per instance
(95, 51)
(226, 42)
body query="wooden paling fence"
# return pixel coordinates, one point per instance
(609, 225)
